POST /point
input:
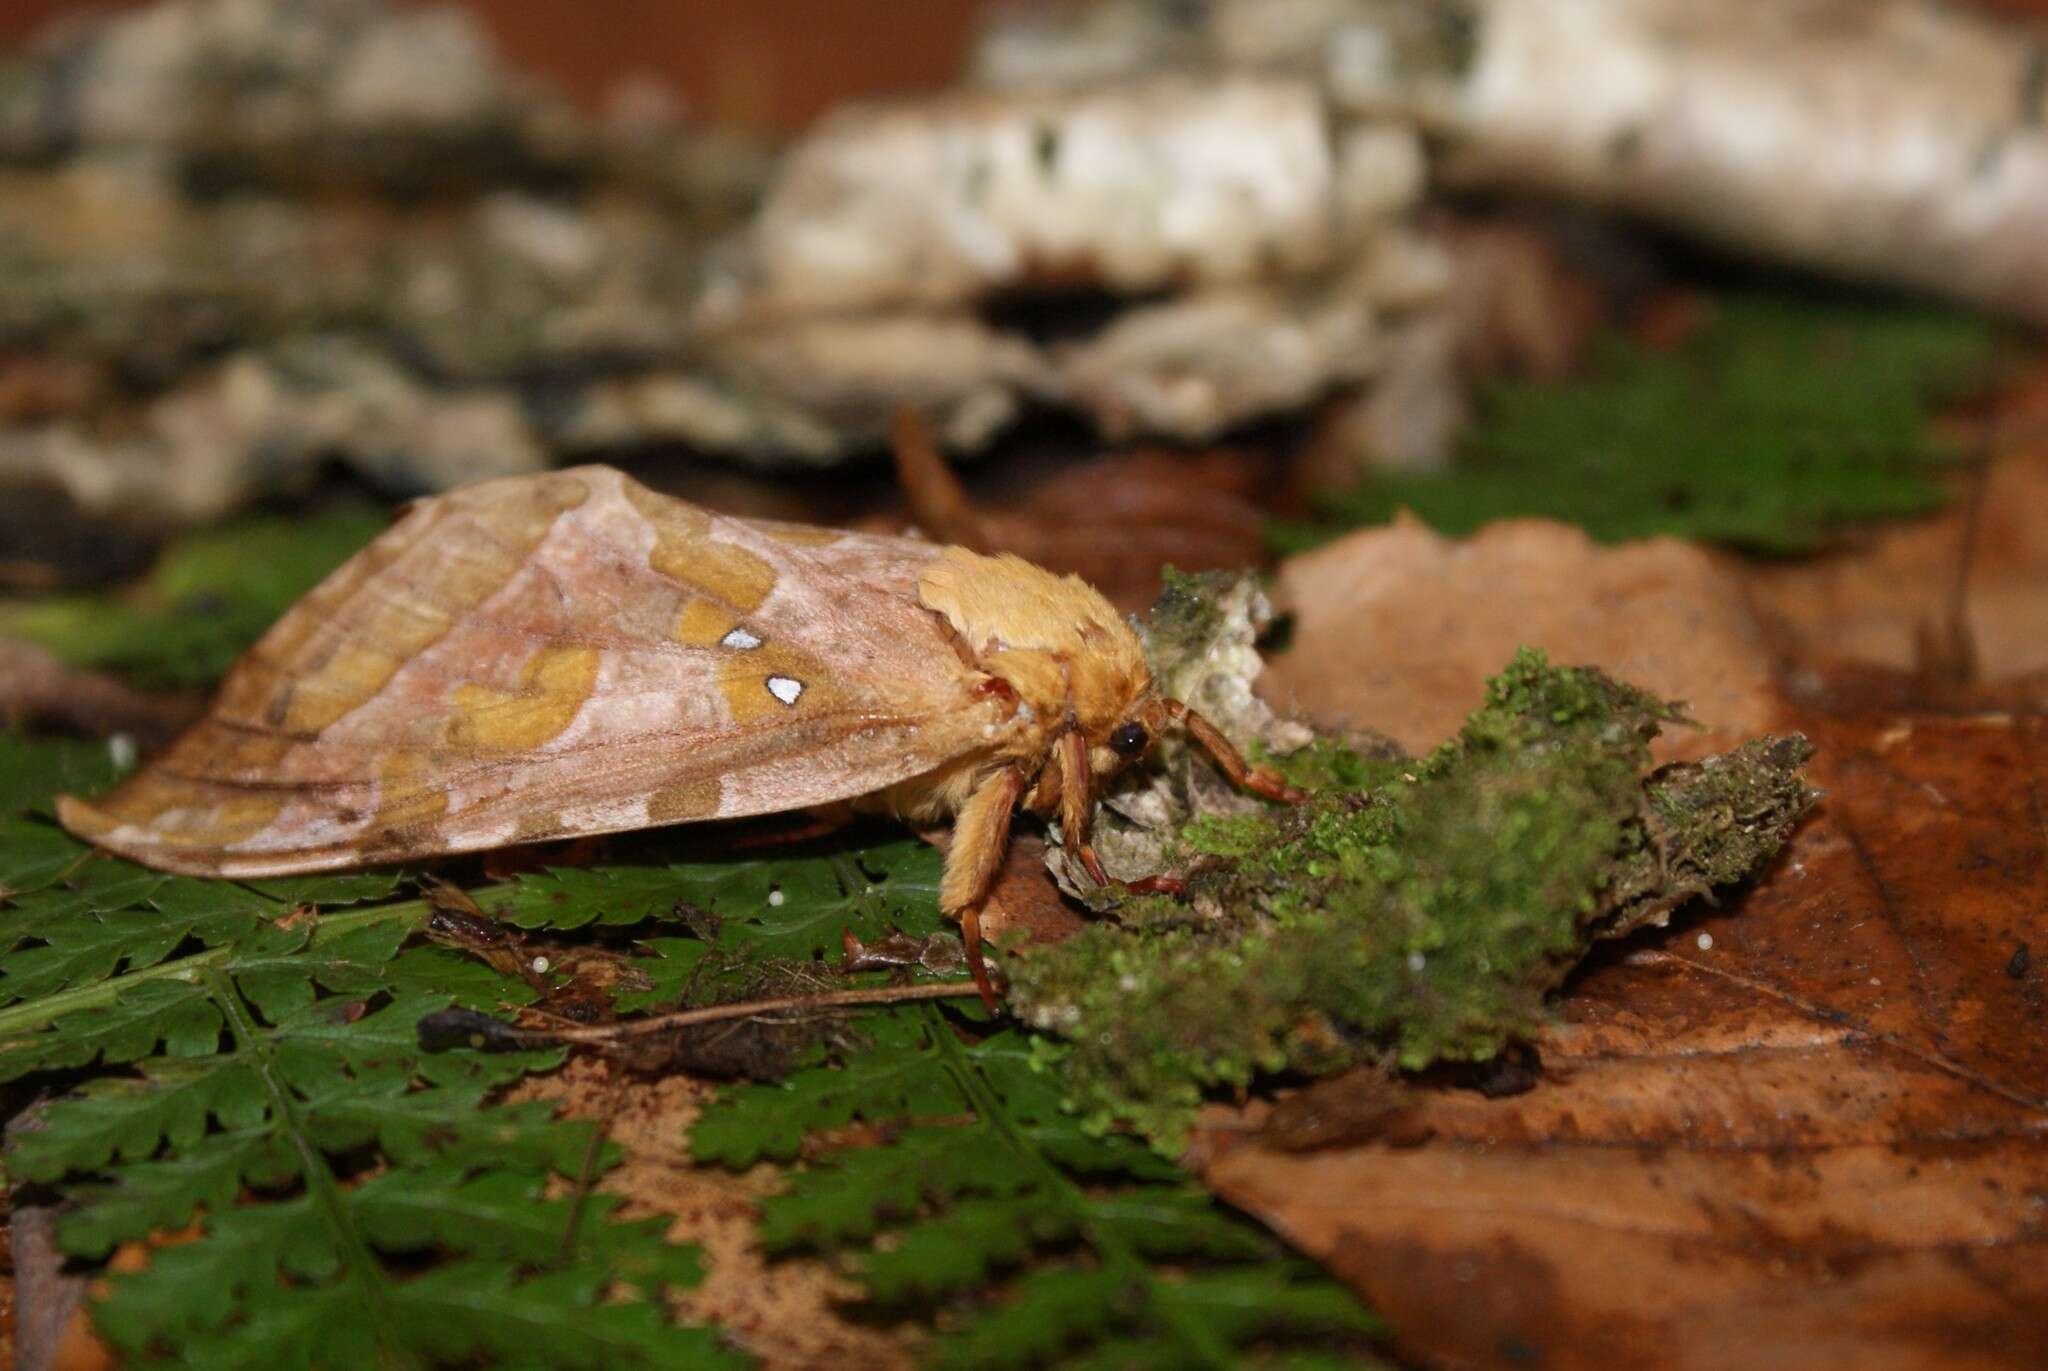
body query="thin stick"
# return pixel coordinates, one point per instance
(1961, 647)
(586, 1174)
(836, 999)
(938, 502)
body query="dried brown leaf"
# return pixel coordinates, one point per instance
(1397, 628)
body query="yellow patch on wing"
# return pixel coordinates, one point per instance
(687, 800)
(180, 813)
(799, 535)
(552, 687)
(703, 623)
(222, 750)
(337, 648)
(352, 676)
(408, 796)
(539, 826)
(685, 552)
(776, 681)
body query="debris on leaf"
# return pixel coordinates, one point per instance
(1201, 640)
(1404, 915)
(1768, 1132)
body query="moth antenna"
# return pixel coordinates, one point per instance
(1259, 780)
(1077, 803)
(938, 502)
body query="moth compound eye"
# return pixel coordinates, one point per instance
(1129, 740)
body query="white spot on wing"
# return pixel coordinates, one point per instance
(743, 641)
(785, 688)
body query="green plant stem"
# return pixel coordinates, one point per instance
(320, 1181)
(39, 1013)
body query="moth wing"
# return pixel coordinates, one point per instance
(536, 657)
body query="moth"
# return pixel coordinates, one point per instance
(572, 653)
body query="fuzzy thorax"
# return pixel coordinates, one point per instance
(1071, 659)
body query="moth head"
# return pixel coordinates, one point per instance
(1131, 734)
(1152, 715)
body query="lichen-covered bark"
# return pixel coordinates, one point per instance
(1893, 140)
(1414, 910)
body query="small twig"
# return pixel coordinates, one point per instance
(452, 1027)
(37, 688)
(938, 502)
(1960, 650)
(586, 1174)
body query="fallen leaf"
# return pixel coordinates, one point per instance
(1808, 1131)
(1025, 904)
(37, 688)
(1116, 520)
(1397, 628)
(1875, 604)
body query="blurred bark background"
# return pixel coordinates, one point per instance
(759, 68)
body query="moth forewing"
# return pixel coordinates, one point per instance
(548, 657)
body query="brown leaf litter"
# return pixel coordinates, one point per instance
(1884, 600)
(787, 1317)
(1808, 1130)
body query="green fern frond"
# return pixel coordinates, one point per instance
(893, 1079)
(349, 1201)
(787, 907)
(1040, 1243)
(254, 1083)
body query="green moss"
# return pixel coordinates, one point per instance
(1787, 420)
(1419, 918)
(1353, 763)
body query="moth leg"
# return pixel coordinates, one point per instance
(1077, 803)
(1259, 780)
(981, 834)
(1045, 792)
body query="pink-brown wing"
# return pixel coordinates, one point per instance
(555, 655)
